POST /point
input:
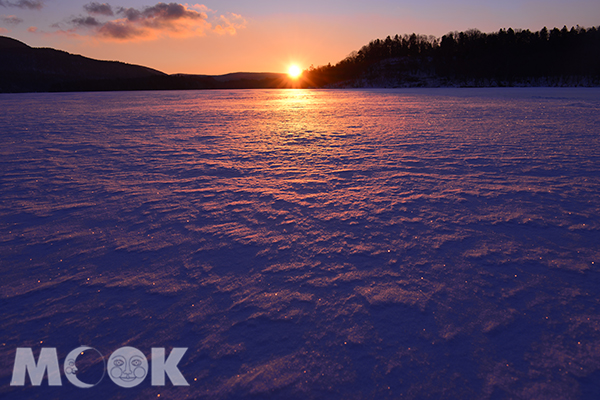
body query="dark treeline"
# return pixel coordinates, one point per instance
(472, 58)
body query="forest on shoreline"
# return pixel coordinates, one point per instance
(556, 57)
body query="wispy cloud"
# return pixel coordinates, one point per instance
(160, 20)
(99, 9)
(85, 22)
(230, 24)
(30, 4)
(11, 19)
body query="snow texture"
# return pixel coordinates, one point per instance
(349, 244)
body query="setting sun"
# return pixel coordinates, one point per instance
(294, 71)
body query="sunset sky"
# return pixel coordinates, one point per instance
(217, 37)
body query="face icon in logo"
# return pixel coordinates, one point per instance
(90, 372)
(128, 367)
(70, 367)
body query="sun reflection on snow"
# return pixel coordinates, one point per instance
(298, 97)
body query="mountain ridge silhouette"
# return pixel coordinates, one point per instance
(29, 69)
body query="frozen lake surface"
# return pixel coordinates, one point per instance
(367, 244)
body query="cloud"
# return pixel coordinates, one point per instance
(30, 4)
(86, 22)
(99, 9)
(200, 7)
(230, 24)
(32, 29)
(11, 20)
(122, 31)
(162, 19)
(3, 30)
(159, 20)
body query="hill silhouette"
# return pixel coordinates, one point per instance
(24, 68)
(28, 69)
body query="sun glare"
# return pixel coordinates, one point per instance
(294, 71)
